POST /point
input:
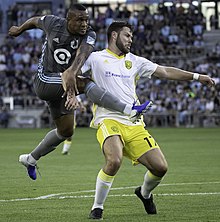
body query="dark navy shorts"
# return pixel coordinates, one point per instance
(49, 87)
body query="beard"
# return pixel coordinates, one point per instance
(121, 47)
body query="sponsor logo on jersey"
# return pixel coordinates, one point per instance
(128, 64)
(74, 44)
(62, 56)
(111, 74)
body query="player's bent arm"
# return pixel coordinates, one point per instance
(173, 73)
(31, 23)
(82, 54)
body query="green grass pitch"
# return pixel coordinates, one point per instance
(64, 192)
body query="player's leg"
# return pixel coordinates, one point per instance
(113, 152)
(68, 142)
(156, 164)
(49, 143)
(64, 119)
(144, 149)
(66, 146)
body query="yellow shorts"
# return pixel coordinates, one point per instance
(136, 139)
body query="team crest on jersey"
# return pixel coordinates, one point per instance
(74, 44)
(115, 129)
(128, 64)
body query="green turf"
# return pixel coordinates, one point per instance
(189, 192)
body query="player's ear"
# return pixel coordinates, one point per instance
(114, 35)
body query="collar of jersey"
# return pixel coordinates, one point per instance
(115, 55)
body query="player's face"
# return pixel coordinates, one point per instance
(124, 40)
(77, 22)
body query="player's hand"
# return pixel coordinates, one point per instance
(14, 31)
(69, 81)
(206, 80)
(71, 100)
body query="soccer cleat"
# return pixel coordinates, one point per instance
(65, 152)
(149, 205)
(96, 214)
(31, 169)
(138, 110)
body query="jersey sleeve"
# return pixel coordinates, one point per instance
(90, 38)
(146, 67)
(46, 22)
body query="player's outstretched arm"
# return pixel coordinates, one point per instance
(173, 73)
(31, 23)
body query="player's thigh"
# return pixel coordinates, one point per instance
(138, 141)
(110, 138)
(113, 148)
(48, 87)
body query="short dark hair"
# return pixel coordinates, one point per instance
(74, 7)
(77, 7)
(117, 26)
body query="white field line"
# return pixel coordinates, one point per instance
(68, 194)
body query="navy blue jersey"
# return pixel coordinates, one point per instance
(60, 47)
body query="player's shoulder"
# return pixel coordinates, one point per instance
(95, 55)
(136, 58)
(132, 56)
(53, 18)
(99, 53)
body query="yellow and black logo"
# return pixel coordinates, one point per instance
(115, 129)
(128, 64)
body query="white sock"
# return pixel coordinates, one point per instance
(66, 146)
(150, 182)
(127, 109)
(31, 160)
(103, 185)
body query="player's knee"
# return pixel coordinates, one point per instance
(66, 132)
(114, 164)
(161, 170)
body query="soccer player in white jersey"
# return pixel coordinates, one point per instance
(116, 70)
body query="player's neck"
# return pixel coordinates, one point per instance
(115, 50)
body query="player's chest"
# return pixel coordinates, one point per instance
(64, 43)
(117, 69)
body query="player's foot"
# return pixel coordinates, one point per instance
(31, 169)
(96, 214)
(149, 205)
(65, 152)
(138, 110)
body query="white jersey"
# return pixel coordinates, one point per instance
(118, 75)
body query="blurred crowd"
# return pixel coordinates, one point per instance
(172, 36)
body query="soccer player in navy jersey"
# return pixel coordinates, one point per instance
(68, 43)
